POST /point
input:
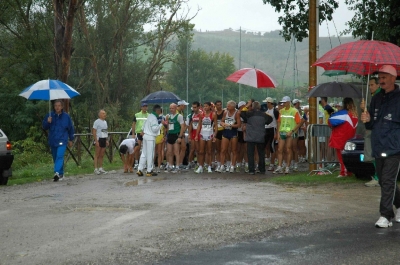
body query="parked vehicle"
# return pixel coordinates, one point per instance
(353, 158)
(6, 158)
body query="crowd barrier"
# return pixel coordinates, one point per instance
(318, 149)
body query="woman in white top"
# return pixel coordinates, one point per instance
(100, 135)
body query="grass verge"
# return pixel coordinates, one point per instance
(44, 170)
(305, 179)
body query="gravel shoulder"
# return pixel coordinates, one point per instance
(122, 219)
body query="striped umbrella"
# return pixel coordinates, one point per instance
(253, 77)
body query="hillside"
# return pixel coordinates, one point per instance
(268, 52)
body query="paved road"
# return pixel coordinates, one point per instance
(345, 242)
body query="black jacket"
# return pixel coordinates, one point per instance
(385, 123)
(255, 125)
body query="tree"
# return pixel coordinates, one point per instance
(381, 17)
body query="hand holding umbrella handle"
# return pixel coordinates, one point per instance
(362, 105)
(49, 119)
(365, 117)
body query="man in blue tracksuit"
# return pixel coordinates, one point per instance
(383, 118)
(60, 128)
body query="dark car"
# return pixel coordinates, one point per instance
(6, 158)
(353, 157)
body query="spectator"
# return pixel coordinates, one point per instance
(60, 129)
(100, 135)
(385, 139)
(137, 124)
(344, 124)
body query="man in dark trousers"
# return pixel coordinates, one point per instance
(383, 118)
(254, 127)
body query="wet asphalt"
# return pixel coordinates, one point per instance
(335, 242)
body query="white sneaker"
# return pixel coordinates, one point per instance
(278, 170)
(383, 223)
(287, 170)
(209, 170)
(199, 170)
(296, 167)
(232, 169)
(398, 215)
(96, 171)
(373, 183)
(221, 169)
(227, 169)
(218, 169)
(102, 171)
(270, 168)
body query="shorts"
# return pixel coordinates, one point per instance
(229, 134)
(283, 135)
(193, 135)
(172, 138)
(206, 137)
(218, 136)
(139, 136)
(240, 135)
(159, 138)
(269, 138)
(102, 142)
(301, 138)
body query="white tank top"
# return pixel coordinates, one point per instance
(207, 125)
(273, 124)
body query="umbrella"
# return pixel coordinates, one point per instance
(361, 57)
(331, 73)
(253, 77)
(160, 97)
(335, 89)
(49, 90)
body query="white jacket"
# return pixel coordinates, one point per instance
(151, 126)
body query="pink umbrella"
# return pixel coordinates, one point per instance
(253, 77)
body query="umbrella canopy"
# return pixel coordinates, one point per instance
(253, 77)
(362, 57)
(335, 89)
(160, 97)
(49, 90)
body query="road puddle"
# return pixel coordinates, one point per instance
(141, 181)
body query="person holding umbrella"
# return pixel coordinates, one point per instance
(383, 118)
(61, 129)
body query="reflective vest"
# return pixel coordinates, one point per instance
(140, 119)
(287, 118)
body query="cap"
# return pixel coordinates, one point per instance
(144, 104)
(285, 99)
(388, 69)
(182, 102)
(241, 103)
(268, 99)
(296, 101)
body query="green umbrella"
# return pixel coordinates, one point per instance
(336, 73)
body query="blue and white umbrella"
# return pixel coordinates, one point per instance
(49, 90)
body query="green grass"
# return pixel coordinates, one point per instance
(44, 170)
(303, 178)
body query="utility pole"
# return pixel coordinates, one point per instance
(312, 78)
(240, 54)
(187, 74)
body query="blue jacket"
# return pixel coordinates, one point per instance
(59, 129)
(385, 123)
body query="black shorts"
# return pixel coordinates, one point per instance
(219, 134)
(241, 137)
(269, 138)
(102, 142)
(139, 136)
(172, 138)
(301, 138)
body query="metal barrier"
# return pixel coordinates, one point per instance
(84, 142)
(319, 151)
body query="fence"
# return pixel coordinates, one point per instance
(318, 150)
(83, 144)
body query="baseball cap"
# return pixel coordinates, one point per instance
(285, 99)
(144, 104)
(268, 99)
(296, 101)
(388, 69)
(182, 102)
(241, 103)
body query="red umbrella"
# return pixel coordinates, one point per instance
(253, 77)
(362, 57)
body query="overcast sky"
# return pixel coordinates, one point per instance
(253, 15)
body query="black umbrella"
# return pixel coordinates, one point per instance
(336, 90)
(160, 97)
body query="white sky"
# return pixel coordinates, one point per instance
(253, 15)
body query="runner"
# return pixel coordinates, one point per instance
(174, 138)
(194, 120)
(219, 113)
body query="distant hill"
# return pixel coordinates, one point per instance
(268, 52)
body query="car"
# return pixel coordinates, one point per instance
(6, 158)
(353, 158)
